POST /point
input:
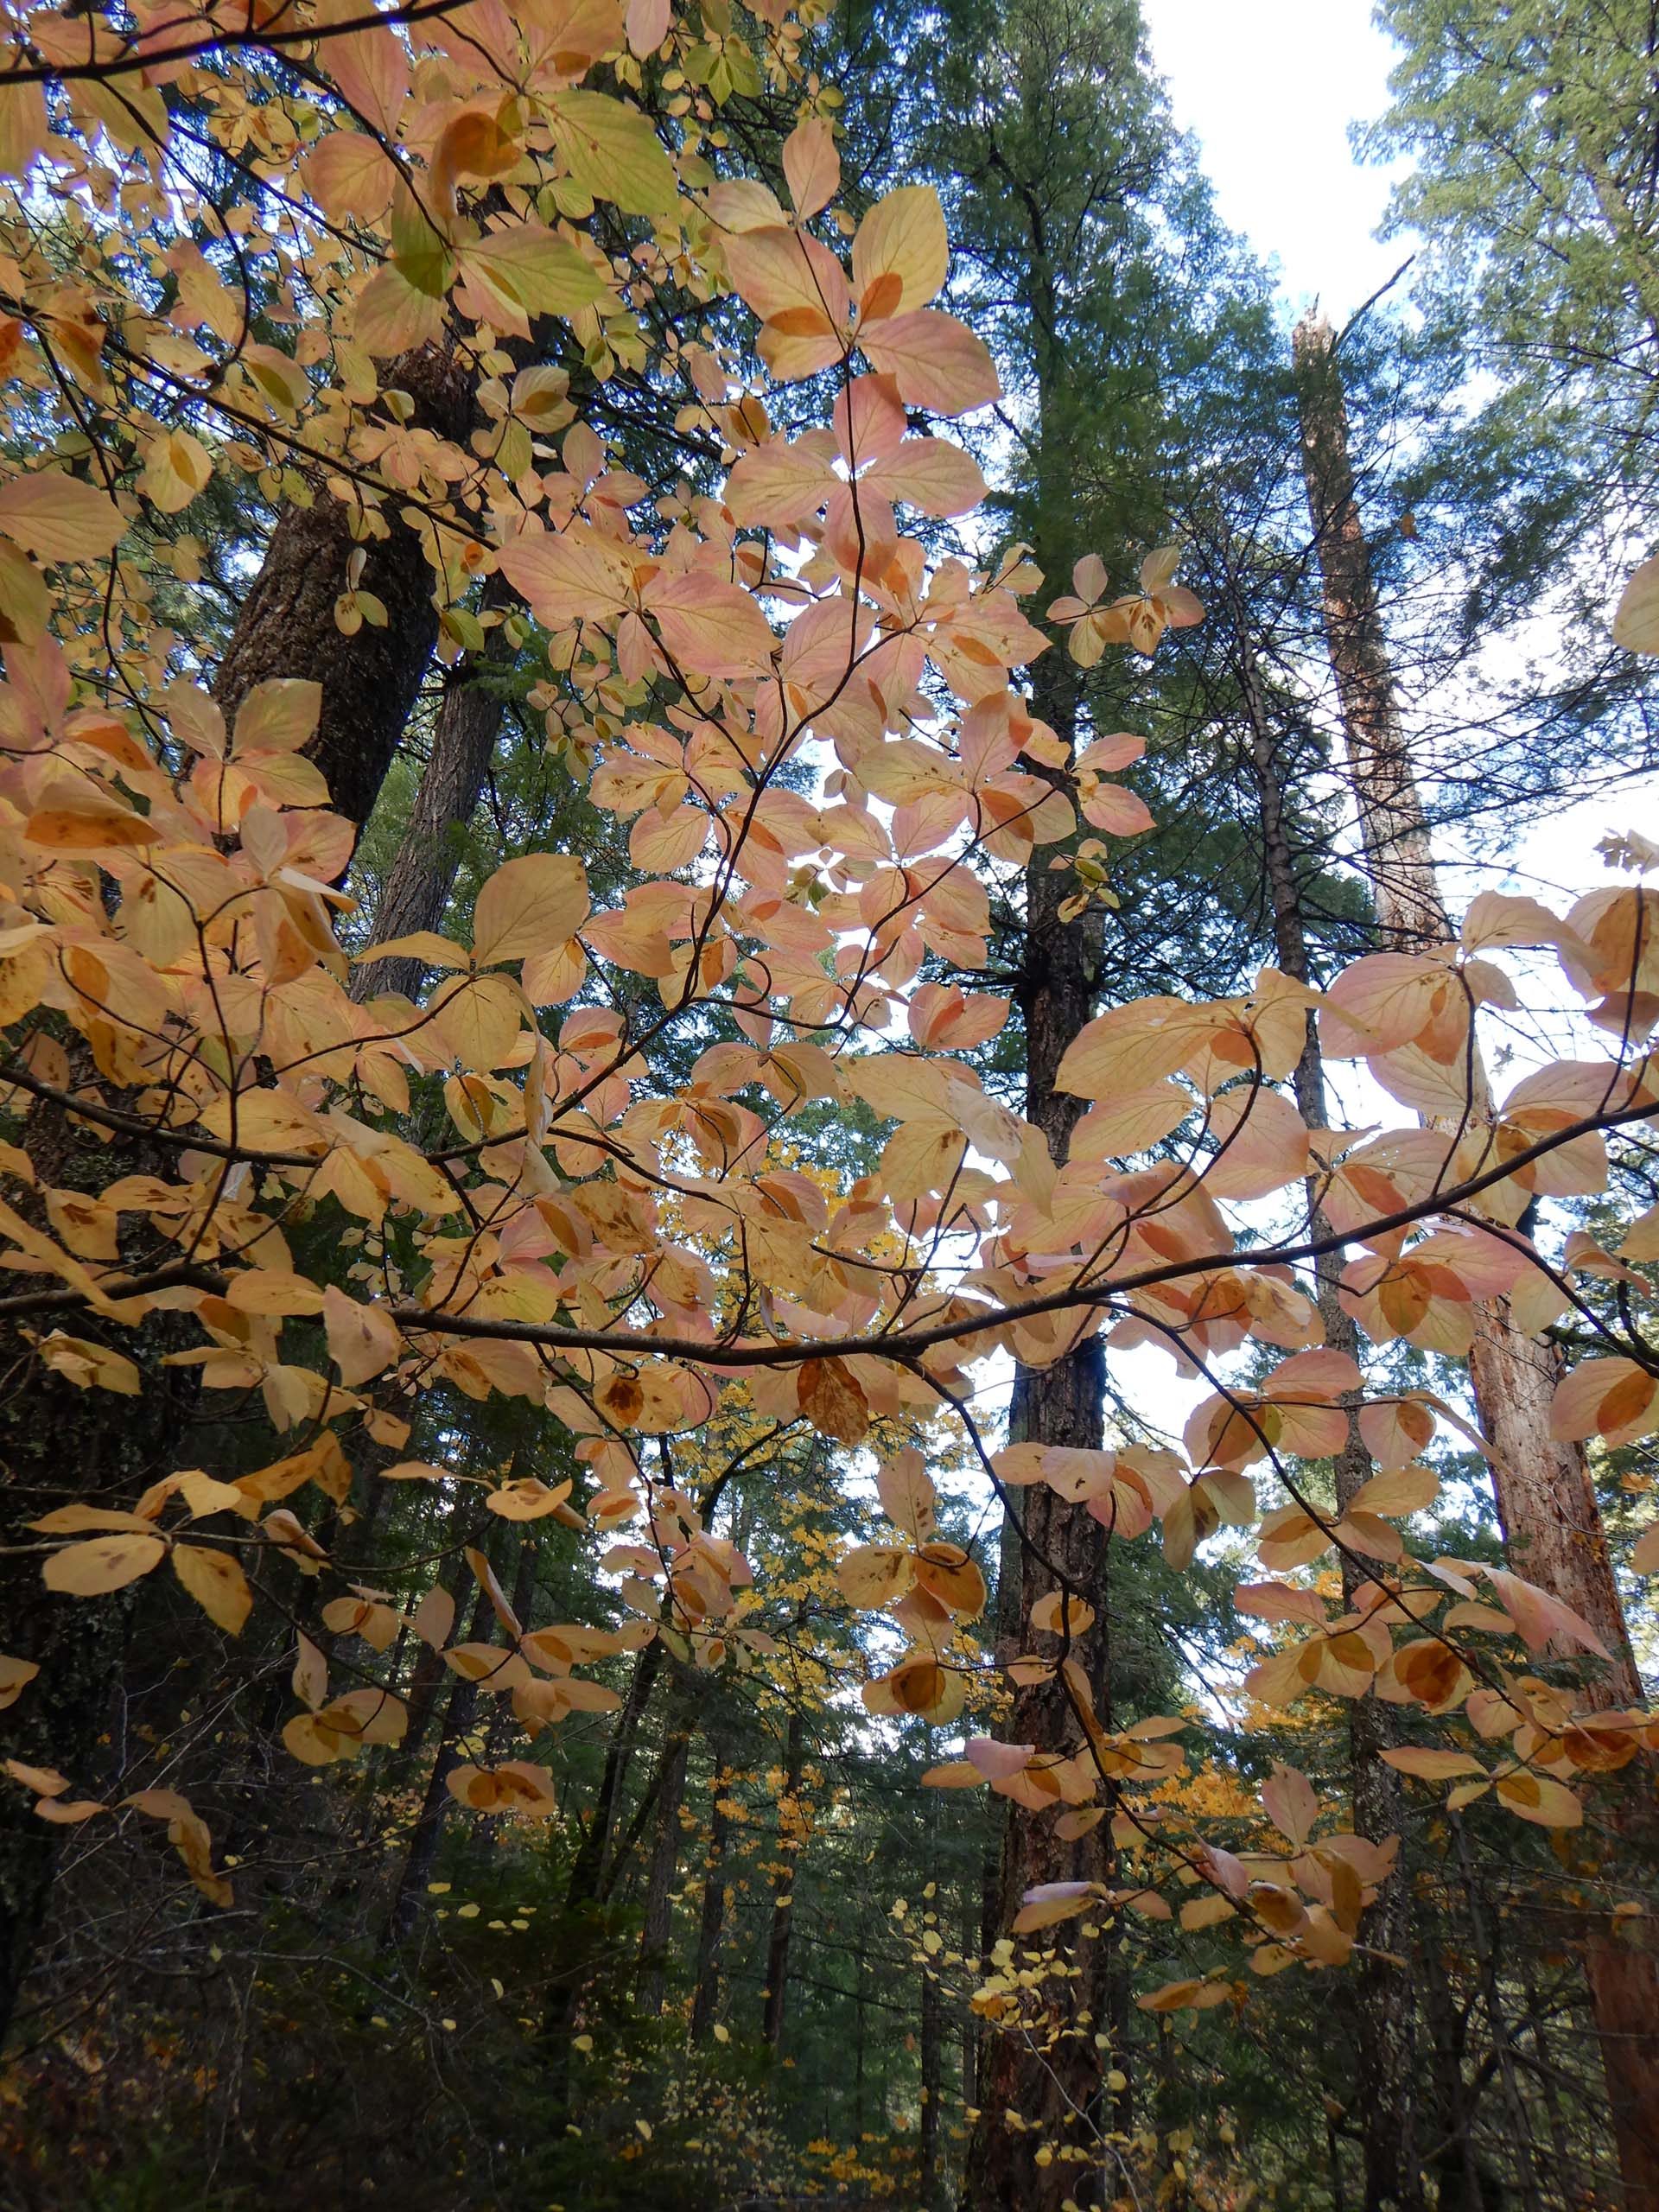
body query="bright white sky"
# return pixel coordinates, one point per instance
(1270, 87)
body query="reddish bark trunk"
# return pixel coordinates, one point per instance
(1545, 1499)
(1387, 2087)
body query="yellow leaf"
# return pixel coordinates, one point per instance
(907, 1496)
(217, 1584)
(1179, 1996)
(84, 1363)
(532, 904)
(424, 945)
(25, 602)
(613, 152)
(88, 828)
(350, 177)
(176, 468)
(937, 362)
(527, 1499)
(44, 1781)
(1537, 1797)
(1053, 1902)
(811, 165)
(508, 276)
(710, 628)
(832, 1399)
(516, 1786)
(1061, 1614)
(946, 1572)
(102, 1563)
(363, 1340)
(1635, 624)
(478, 1018)
(268, 1291)
(901, 255)
(58, 518)
(279, 716)
(875, 1575)
(1429, 1765)
(391, 315)
(1205, 1913)
(955, 1774)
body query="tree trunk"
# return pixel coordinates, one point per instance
(587, 1890)
(423, 875)
(1048, 2069)
(665, 1864)
(782, 1909)
(458, 1716)
(858, 2053)
(933, 2038)
(61, 1446)
(78, 1648)
(706, 1998)
(1384, 2001)
(287, 628)
(1547, 1500)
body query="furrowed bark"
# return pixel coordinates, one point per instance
(1052, 2073)
(1546, 1497)
(287, 628)
(1385, 2013)
(422, 874)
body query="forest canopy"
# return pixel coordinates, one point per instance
(829, 1355)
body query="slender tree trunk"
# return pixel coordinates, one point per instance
(932, 2044)
(1049, 2069)
(1546, 1497)
(665, 1864)
(969, 2019)
(1560, 2149)
(1384, 2009)
(1173, 2188)
(427, 1675)
(458, 1716)
(588, 1888)
(423, 875)
(858, 2052)
(782, 1909)
(1518, 2130)
(57, 1447)
(933, 2040)
(705, 2001)
(287, 626)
